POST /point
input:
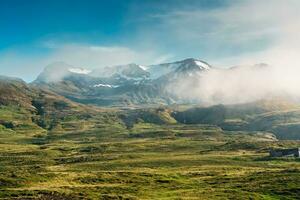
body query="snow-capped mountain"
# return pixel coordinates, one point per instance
(131, 83)
(57, 71)
(189, 65)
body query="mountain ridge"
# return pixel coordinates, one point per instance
(122, 84)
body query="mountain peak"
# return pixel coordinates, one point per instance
(58, 70)
(189, 60)
(189, 65)
(196, 62)
(131, 70)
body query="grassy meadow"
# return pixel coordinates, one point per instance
(147, 161)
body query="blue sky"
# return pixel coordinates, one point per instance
(25, 22)
(98, 33)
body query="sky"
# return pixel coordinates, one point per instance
(99, 33)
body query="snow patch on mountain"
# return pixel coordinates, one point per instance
(79, 70)
(143, 67)
(202, 64)
(106, 85)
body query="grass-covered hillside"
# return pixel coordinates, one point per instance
(280, 117)
(24, 107)
(147, 161)
(52, 149)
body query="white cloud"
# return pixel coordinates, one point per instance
(241, 85)
(239, 31)
(238, 26)
(92, 56)
(79, 55)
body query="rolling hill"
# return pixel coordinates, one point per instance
(54, 148)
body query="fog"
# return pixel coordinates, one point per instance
(277, 22)
(241, 85)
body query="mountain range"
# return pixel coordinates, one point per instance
(135, 85)
(130, 84)
(64, 97)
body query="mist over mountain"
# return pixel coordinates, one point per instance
(120, 85)
(242, 84)
(186, 81)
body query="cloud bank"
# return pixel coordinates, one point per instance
(240, 85)
(248, 32)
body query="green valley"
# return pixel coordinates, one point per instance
(53, 148)
(148, 161)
